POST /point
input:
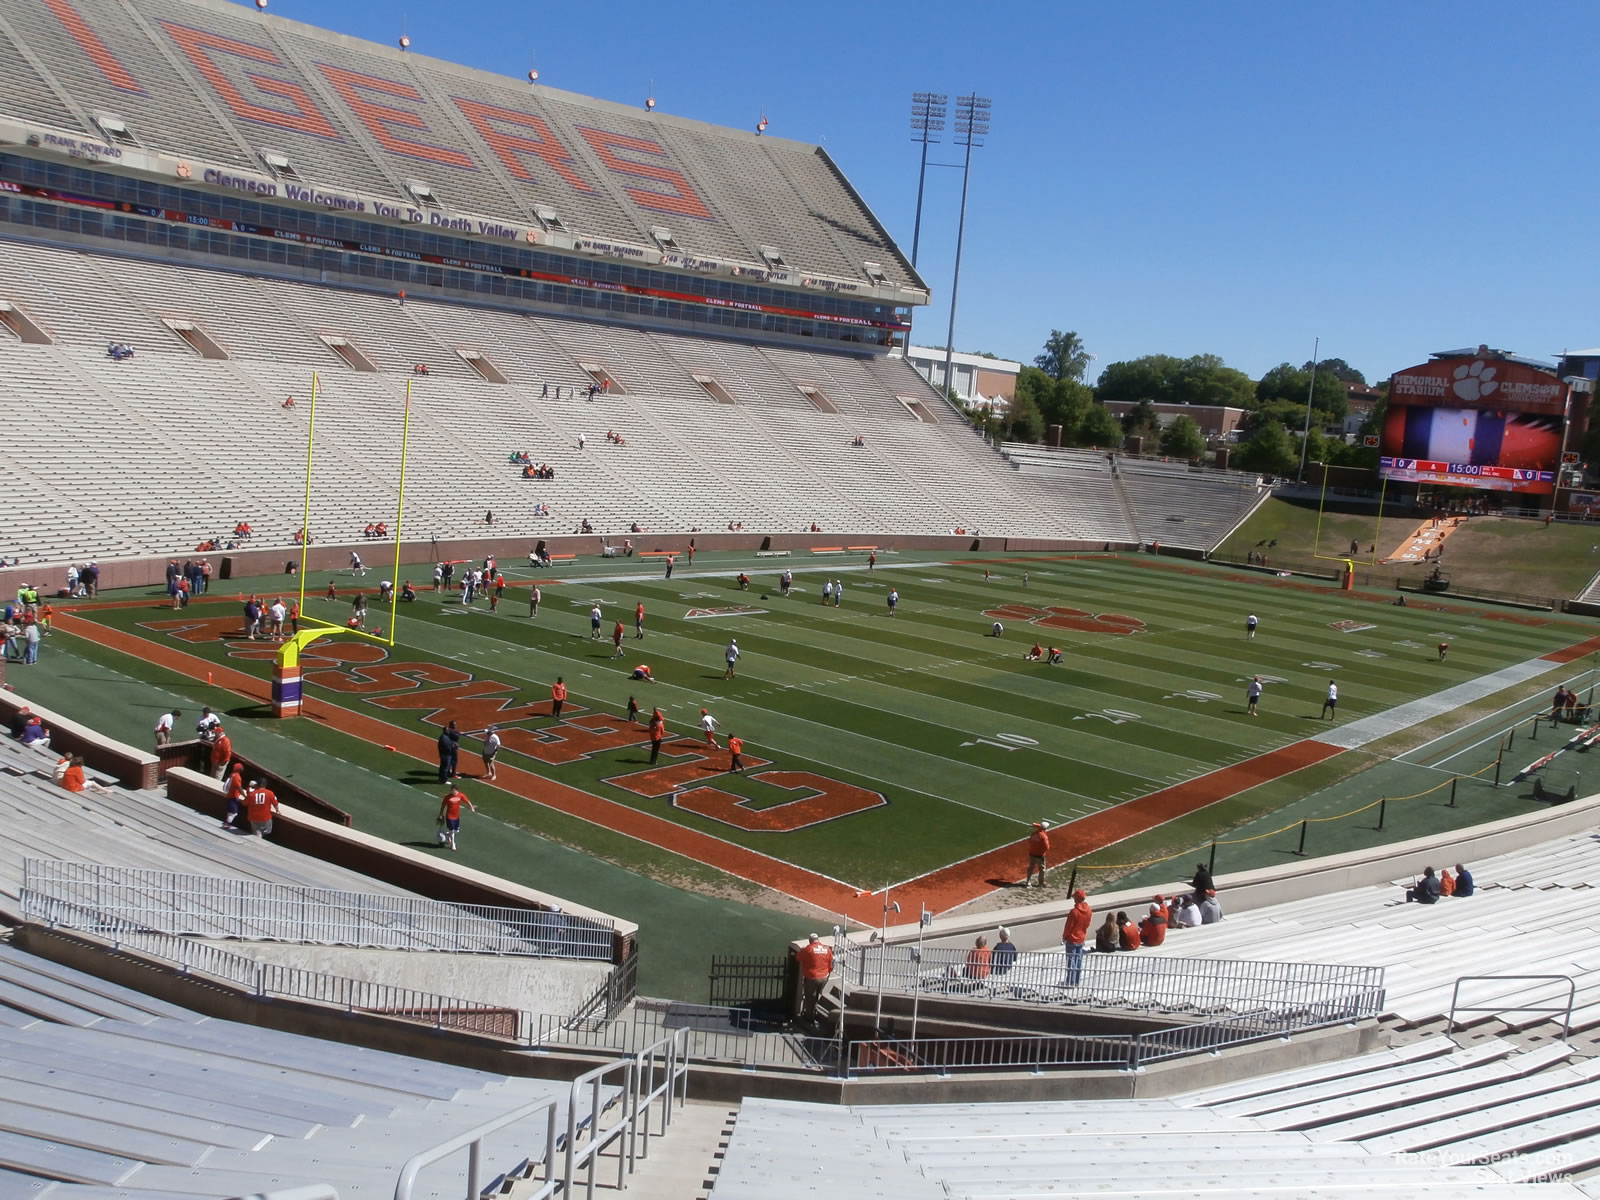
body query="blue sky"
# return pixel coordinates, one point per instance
(1162, 177)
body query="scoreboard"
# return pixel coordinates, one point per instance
(1494, 478)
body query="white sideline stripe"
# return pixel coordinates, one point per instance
(1414, 712)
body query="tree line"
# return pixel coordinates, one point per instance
(1052, 392)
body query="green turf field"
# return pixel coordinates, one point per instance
(964, 740)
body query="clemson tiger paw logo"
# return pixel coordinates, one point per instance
(1474, 382)
(1077, 619)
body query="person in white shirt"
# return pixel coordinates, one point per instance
(355, 564)
(594, 623)
(731, 655)
(1250, 624)
(491, 747)
(894, 599)
(1187, 914)
(208, 722)
(164, 727)
(278, 612)
(827, 590)
(709, 724)
(1331, 704)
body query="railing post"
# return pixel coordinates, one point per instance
(1497, 759)
(475, 1170)
(1212, 867)
(1302, 849)
(1453, 783)
(1383, 809)
(1511, 739)
(1072, 883)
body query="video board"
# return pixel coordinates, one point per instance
(1475, 421)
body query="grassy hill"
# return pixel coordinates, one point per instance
(1494, 553)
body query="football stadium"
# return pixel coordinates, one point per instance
(543, 694)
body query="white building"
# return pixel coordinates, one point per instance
(978, 380)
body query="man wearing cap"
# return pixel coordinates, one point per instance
(1210, 908)
(816, 964)
(164, 725)
(709, 724)
(731, 654)
(1074, 933)
(1004, 954)
(1038, 848)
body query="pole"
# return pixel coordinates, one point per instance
(1302, 850)
(305, 520)
(916, 994)
(922, 180)
(399, 515)
(955, 281)
(1383, 810)
(1453, 783)
(1311, 391)
(1211, 868)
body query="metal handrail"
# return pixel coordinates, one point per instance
(1511, 1006)
(1161, 982)
(472, 1142)
(599, 1137)
(217, 906)
(668, 1060)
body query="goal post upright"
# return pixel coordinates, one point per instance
(286, 677)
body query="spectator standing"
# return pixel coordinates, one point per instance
(233, 790)
(1252, 694)
(1202, 881)
(1250, 624)
(638, 619)
(709, 724)
(1038, 851)
(449, 752)
(558, 696)
(616, 640)
(259, 805)
(1330, 704)
(221, 752)
(816, 965)
(731, 655)
(30, 639)
(894, 600)
(1074, 933)
(164, 726)
(1005, 952)
(534, 597)
(735, 754)
(594, 623)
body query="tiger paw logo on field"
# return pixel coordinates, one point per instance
(1056, 617)
(1474, 382)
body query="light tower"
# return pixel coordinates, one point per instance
(972, 126)
(927, 122)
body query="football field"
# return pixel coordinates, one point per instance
(911, 749)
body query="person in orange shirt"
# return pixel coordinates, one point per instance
(1074, 933)
(658, 734)
(638, 620)
(450, 816)
(1127, 933)
(816, 964)
(735, 750)
(978, 959)
(221, 752)
(1034, 654)
(71, 777)
(294, 616)
(235, 794)
(259, 805)
(46, 612)
(616, 640)
(1153, 929)
(1447, 883)
(1038, 848)
(642, 671)
(558, 696)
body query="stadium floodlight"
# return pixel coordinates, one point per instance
(928, 111)
(972, 126)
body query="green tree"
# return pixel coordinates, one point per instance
(1339, 369)
(1099, 428)
(1064, 356)
(1147, 378)
(1268, 449)
(1024, 422)
(1183, 439)
(1282, 392)
(1206, 379)
(1141, 420)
